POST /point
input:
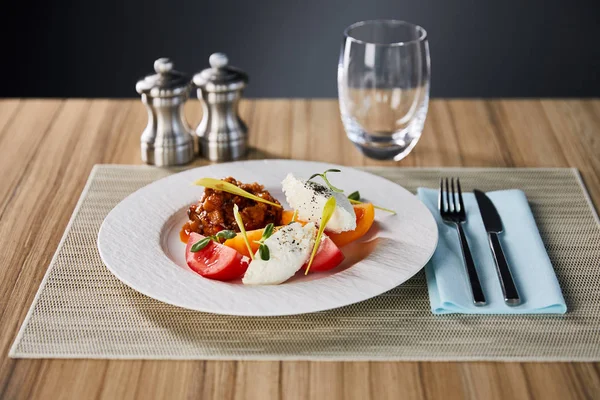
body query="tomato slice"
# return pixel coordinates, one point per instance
(328, 256)
(215, 261)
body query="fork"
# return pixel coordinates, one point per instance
(453, 213)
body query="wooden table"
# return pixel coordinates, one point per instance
(48, 148)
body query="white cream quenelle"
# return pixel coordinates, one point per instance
(308, 198)
(289, 249)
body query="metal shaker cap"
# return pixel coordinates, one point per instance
(220, 77)
(165, 83)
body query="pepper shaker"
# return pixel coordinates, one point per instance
(222, 134)
(167, 139)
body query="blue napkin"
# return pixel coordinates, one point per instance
(447, 281)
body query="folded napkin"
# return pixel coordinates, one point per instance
(447, 281)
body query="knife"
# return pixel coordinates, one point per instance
(493, 226)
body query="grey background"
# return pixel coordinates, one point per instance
(479, 48)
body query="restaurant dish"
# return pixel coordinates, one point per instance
(239, 230)
(140, 242)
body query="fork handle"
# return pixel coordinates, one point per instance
(511, 296)
(478, 297)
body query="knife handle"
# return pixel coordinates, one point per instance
(478, 297)
(511, 296)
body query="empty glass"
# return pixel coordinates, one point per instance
(383, 86)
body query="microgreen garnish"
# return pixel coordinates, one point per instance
(354, 196)
(202, 243)
(324, 176)
(217, 184)
(263, 250)
(267, 232)
(225, 235)
(374, 206)
(328, 210)
(240, 224)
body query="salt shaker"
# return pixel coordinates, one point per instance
(222, 134)
(167, 139)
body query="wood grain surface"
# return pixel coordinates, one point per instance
(48, 147)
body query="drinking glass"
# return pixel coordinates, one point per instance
(383, 86)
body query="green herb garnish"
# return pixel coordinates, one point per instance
(267, 232)
(263, 250)
(324, 176)
(374, 206)
(354, 196)
(328, 210)
(225, 235)
(217, 184)
(240, 224)
(202, 243)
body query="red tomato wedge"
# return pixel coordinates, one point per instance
(328, 256)
(215, 261)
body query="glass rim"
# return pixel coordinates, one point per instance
(422, 32)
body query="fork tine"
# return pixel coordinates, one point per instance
(453, 196)
(442, 189)
(460, 197)
(447, 196)
(440, 201)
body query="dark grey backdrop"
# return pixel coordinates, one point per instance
(481, 48)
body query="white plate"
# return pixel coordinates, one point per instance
(139, 243)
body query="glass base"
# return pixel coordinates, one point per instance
(393, 152)
(386, 145)
(383, 145)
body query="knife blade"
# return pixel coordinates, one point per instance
(493, 226)
(489, 214)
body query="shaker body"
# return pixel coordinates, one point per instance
(170, 142)
(223, 136)
(167, 139)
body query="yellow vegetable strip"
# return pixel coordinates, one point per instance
(328, 210)
(217, 184)
(374, 206)
(294, 215)
(240, 223)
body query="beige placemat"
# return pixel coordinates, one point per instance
(82, 311)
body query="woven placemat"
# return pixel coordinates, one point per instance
(83, 311)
